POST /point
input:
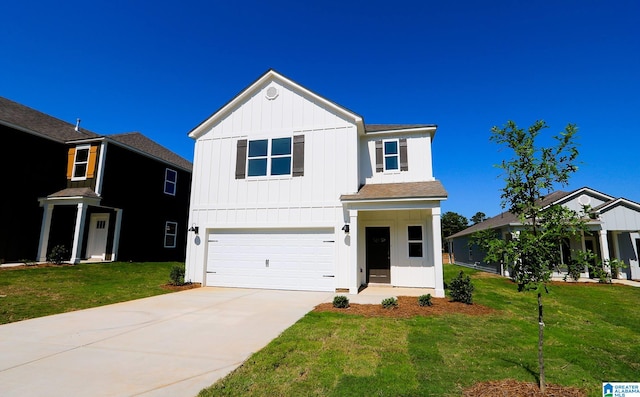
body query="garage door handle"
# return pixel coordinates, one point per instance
(210, 272)
(328, 275)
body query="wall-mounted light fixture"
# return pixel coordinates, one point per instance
(193, 228)
(346, 228)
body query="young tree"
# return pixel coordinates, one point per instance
(534, 251)
(479, 217)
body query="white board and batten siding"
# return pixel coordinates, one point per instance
(290, 207)
(289, 259)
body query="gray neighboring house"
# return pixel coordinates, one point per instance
(614, 232)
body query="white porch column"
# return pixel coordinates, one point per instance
(354, 280)
(78, 233)
(604, 245)
(116, 235)
(43, 245)
(437, 252)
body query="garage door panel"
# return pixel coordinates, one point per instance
(276, 259)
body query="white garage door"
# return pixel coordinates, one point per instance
(300, 259)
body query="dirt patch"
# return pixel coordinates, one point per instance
(514, 388)
(183, 287)
(408, 307)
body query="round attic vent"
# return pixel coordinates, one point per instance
(272, 93)
(584, 199)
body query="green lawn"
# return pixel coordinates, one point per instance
(30, 292)
(592, 334)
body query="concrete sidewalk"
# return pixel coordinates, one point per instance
(168, 345)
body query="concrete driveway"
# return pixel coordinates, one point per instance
(168, 345)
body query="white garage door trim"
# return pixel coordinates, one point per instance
(290, 259)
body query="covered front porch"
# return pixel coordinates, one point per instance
(395, 237)
(74, 219)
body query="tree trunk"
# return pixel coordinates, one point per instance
(540, 344)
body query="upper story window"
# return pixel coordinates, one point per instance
(269, 157)
(170, 180)
(391, 155)
(415, 241)
(81, 163)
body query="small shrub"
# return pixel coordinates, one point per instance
(340, 302)
(390, 303)
(58, 254)
(461, 289)
(616, 266)
(425, 300)
(177, 275)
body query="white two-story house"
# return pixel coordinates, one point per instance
(292, 191)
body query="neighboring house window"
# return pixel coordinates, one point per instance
(81, 163)
(415, 241)
(170, 231)
(170, 179)
(270, 157)
(391, 155)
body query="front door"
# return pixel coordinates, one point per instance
(97, 240)
(378, 255)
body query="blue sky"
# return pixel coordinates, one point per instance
(162, 67)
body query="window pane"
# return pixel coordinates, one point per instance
(80, 170)
(281, 166)
(415, 233)
(415, 250)
(169, 187)
(258, 148)
(170, 241)
(82, 155)
(391, 163)
(257, 167)
(391, 147)
(280, 146)
(171, 175)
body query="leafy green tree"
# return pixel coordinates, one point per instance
(451, 223)
(533, 252)
(479, 217)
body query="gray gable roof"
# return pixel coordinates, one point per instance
(138, 141)
(507, 218)
(394, 127)
(35, 122)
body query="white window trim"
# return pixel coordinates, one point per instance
(167, 234)
(415, 241)
(384, 155)
(269, 157)
(166, 179)
(75, 162)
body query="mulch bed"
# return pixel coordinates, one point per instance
(408, 307)
(514, 388)
(182, 287)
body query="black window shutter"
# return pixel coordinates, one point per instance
(298, 155)
(241, 159)
(379, 159)
(404, 165)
